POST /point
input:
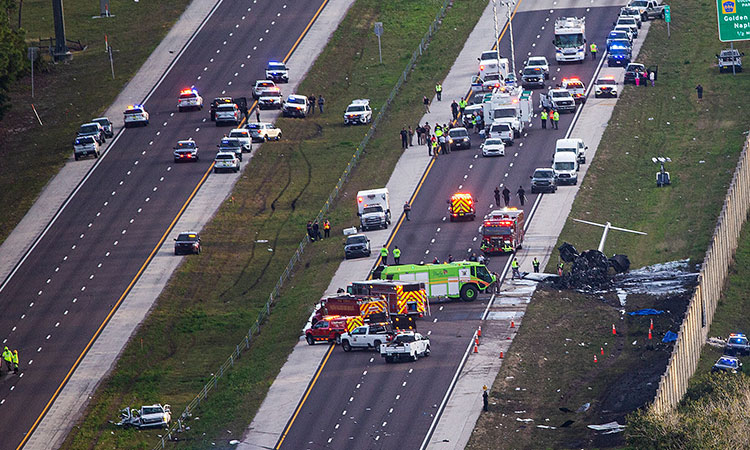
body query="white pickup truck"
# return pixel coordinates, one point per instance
(406, 345)
(367, 336)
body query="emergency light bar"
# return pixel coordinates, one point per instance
(481, 67)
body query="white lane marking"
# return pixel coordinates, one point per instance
(372, 359)
(81, 236)
(343, 413)
(57, 269)
(434, 320)
(128, 173)
(427, 252)
(47, 338)
(267, 30)
(351, 399)
(460, 186)
(510, 165)
(438, 230)
(31, 305)
(377, 438)
(211, 60)
(337, 426)
(106, 254)
(440, 309)
(218, 51)
(390, 410)
(358, 385)
(148, 199)
(364, 373)
(142, 153)
(384, 424)
(506, 174)
(155, 188)
(165, 124)
(475, 239)
(398, 396)
(471, 166)
(236, 73)
(65, 313)
(139, 210)
(83, 288)
(57, 324)
(91, 277)
(161, 179)
(99, 266)
(403, 384)
(229, 84)
(124, 231)
(260, 40)
(73, 247)
(515, 154)
(432, 241)
(39, 349)
(75, 300)
(115, 243)
(242, 65)
(106, 203)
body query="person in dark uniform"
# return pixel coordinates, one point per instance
(506, 196)
(521, 195)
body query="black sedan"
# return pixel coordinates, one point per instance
(188, 242)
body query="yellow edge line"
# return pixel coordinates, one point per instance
(304, 398)
(114, 308)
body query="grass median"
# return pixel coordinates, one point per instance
(215, 297)
(703, 139)
(68, 94)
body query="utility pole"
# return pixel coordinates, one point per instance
(497, 32)
(61, 47)
(510, 5)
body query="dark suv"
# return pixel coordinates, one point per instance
(188, 242)
(532, 77)
(356, 245)
(459, 138)
(543, 180)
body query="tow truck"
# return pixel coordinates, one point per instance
(189, 99)
(461, 205)
(575, 86)
(406, 345)
(502, 232)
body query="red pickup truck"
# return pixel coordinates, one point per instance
(327, 329)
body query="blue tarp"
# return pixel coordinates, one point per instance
(646, 312)
(669, 337)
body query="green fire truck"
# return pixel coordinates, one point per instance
(462, 279)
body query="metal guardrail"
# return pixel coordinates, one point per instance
(254, 330)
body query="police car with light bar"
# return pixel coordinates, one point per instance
(619, 53)
(357, 112)
(295, 106)
(135, 115)
(189, 99)
(270, 98)
(605, 87)
(185, 150)
(277, 71)
(575, 86)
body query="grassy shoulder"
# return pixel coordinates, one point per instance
(63, 94)
(215, 297)
(708, 415)
(704, 140)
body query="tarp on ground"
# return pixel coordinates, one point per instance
(670, 337)
(646, 312)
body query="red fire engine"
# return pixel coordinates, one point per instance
(502, 232)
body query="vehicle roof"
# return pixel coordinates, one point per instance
(90, 123)
(456, 129)
(297, 96)
(238, 129)
(276, 63)
(226, 106)
(568, 141)
(539, 58)
(360, 101)
(544, 169)
(265, 83)
(100, 118)
(232, 154)
(565, 157)
(186, 141)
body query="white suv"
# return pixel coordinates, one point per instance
(85, 146)
(357, 112)
(226, 161)
(227, 112)
(135, 115)
(263, 85)
(243, 135)
(189, 99)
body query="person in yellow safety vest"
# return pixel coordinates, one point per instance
(396, 255)
(326, 228)
(507, 248)
(593, 50)
(535, 263)
(439, 91)
(438, 131)
(8, 357)
(544, 119)
(560, 268)
(516, 273)
(555, 119)
(462, 105)
(15, 361)
(384, 256)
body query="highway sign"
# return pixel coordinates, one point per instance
(667, 14)
(733, 17)
(378, 29)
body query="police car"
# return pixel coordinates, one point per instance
(226, 161)
(231, 145)
(270, 98)
(295, 106)
(135, 115)
(185, 150)
(605, 87)
(737, 344)
(728, 364)
(263, 85)
(85, 146)
(243, 135)
(189, 99)
(227, 112)
(357, 112)
(277, 71)
(575, 86)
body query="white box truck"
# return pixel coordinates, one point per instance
(509, 105)
(570, 39)
(374, 209)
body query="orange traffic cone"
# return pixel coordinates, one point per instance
(512, 324)
(476, 348)
(595, 360)
(479, 331)
(649, 335)
(501, 355)
(651, 327)
(476, 341)
(614, 331)
(601, 349)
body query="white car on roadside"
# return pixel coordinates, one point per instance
(263, 131)
(407, 345)
(263, 85)
(226, 161)
(358, 112)
(135, 115)
(244, 136)
(493, 147)
(85, 146)
(540, 62)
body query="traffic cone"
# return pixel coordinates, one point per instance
(476, 341)
(512, 324)
(479, 331)
(601, 349)
(501, 355)
(595, 360)
(651, 327)
(476, 348)
(649, 335)
(614, 331)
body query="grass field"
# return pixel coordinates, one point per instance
(704, 140)
(214, 298)
(70, 93)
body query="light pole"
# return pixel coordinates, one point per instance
(510, 5)
(497, 33)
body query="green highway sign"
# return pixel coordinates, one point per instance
(667, 14)
(734, 20)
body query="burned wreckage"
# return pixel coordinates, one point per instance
(590, 269)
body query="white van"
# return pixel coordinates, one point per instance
(565, 166)
(374, 208)
(573, 145)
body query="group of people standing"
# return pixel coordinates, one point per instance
(521, 193)
(11, 360)
(311, 103)
(313, 230)
(552, 115)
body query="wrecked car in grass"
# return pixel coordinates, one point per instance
(146, 417)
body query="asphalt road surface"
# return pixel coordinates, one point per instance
(67, 287)
(360, 402)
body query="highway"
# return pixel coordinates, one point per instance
(55, 303)
(360, 402)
